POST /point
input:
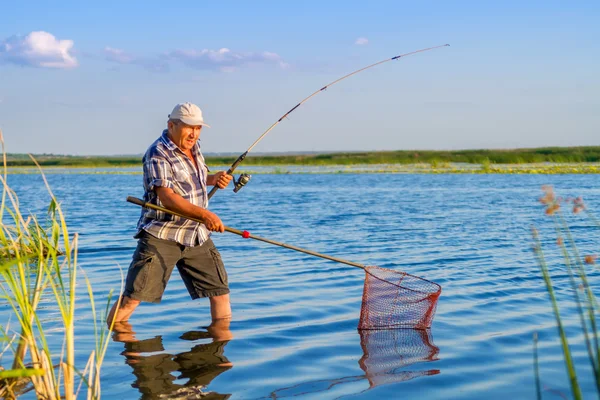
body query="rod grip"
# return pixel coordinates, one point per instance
(135, 200)
(212, 192)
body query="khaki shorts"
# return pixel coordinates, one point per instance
(200, 267)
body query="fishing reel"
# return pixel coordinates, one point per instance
(241, 182)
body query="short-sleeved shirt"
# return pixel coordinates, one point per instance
(166, 165)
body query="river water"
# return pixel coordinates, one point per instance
(295, 316)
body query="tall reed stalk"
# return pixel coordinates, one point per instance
(39, 263)
(585, 300)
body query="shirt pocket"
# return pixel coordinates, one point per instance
(183, 181)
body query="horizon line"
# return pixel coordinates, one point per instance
(312, 152)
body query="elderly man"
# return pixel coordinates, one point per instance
(176, 177)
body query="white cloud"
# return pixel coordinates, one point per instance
(120, 56)
(223, 59)
(361, 41)
(38, 49)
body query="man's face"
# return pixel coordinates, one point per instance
(183, 135)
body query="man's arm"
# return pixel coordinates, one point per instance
(175, 202)
(220, 179)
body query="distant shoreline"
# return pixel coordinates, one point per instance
(436, 159)
(419, 168)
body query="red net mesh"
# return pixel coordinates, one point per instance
(395, 299)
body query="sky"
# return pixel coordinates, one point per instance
(100, 78)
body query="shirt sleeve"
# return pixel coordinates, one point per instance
(158, 172)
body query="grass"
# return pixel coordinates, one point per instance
(421, 168)
(38, 263)
(583, 296)
(561, 155)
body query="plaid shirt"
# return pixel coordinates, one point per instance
(167, 166)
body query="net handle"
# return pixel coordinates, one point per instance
(245, 234)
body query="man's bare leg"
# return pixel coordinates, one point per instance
(220, 308)
(126, 308)
(220, 311)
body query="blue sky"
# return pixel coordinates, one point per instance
(101, 77)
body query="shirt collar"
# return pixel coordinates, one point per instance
(167, 141)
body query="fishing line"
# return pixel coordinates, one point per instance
(245, 178)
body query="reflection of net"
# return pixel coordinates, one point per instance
(385, 351)
(394, 299)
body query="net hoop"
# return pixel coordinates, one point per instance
(435, 288)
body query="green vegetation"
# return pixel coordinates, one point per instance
(516, 156)
(51, 160)
(444, 168)
(575, 266)
(589, 154)
(35, 272)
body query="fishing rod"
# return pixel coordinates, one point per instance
(245, 234)
(245, 178)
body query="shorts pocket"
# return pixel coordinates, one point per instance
(140, 271)
(216, 256)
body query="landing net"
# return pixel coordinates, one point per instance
(395, 299)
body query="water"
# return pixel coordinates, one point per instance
(295, 316)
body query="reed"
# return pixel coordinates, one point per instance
(583, 296)
(536, 367)
(38, 262)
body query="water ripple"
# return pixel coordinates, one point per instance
(295, 316)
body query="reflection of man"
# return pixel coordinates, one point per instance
(155, 373)
(176, 177)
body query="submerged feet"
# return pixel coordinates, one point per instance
(121, 310)
(219, 330)
(220, 310)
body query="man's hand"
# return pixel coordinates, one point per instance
(212, 222)
(222, 179)
(175, 202)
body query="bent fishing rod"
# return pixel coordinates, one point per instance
(245, 178)
(244, 234)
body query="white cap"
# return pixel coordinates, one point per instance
(189, 114)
